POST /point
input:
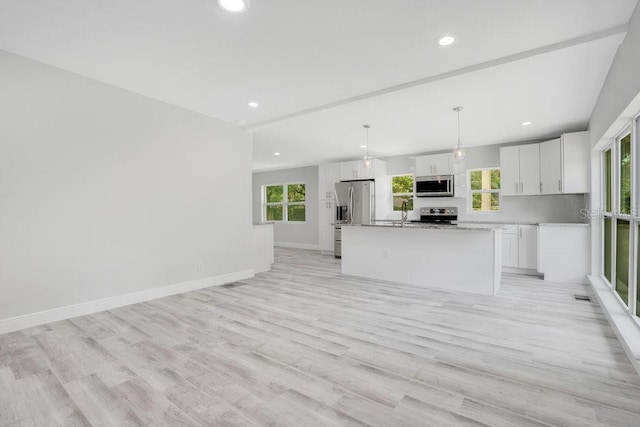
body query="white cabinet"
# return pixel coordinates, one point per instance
(328, 175)
(520, 246)
(356, 170)
(576, 161)
(520, 170)
(510, 246)
(564, 252)
(528, 246)
(326, 219)
(564, 164)
(435, 164)
(509, 176)
(551, 167)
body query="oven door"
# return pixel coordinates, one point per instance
(434, 186)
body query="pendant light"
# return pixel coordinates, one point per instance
(367, 159)
(458, 152)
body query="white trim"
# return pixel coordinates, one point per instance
(89, 307)
(625, 328)
(297, 245)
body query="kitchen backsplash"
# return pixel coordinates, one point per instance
(556, 208)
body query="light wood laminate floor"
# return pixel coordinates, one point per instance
(302, 346)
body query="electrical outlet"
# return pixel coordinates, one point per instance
(200, 266)
(385, 254)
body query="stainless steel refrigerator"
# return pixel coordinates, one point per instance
(355, 204)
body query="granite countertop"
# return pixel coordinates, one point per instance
(501, 222)
(524, 222)
(423, 226)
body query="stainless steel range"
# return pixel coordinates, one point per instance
(438, 215)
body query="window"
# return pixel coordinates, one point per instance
(289, 208)
(620, 221)
(484, 188)
(402, 189)
(625, 174)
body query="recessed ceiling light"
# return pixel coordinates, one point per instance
(363, 146)
(526, 123)
(234, 6)
(446, 40)
(253, 104)
(276, 154)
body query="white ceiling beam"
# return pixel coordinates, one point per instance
(620, 29)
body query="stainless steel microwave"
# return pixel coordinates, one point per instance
(434, 186)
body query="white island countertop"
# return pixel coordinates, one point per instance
(448, 257)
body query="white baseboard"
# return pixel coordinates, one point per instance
(61, 313)
(297, 245)
(625, 328)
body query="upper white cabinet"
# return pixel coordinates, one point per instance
(328, 175)
(435, 164)
(564, 164)
(551, 167)
(356, 170)
(520, 170)
(576, 161)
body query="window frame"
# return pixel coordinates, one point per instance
(618, 215)
(285, 203)
(412, 194)
(471, 192)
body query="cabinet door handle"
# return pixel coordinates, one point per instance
(516, 187)
(560, 185)
(521, 187)
(521, 233)
(541, 187)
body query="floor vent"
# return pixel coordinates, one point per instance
(233, 285)
(582, 298)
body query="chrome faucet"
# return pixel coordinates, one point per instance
(405, 213)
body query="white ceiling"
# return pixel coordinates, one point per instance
(321, 69)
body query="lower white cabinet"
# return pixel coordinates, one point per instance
(510, 246)
(565, 250)
(326, 218)
(528, 246)
(520, 246)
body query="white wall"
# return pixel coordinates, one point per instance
(621, 87)
(298, 234)
(104, 192)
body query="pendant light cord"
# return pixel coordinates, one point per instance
(367, 135)
(458, 109)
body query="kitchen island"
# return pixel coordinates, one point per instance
(448, 257)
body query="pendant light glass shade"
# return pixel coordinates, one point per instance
(367, 160)
(458, 152)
